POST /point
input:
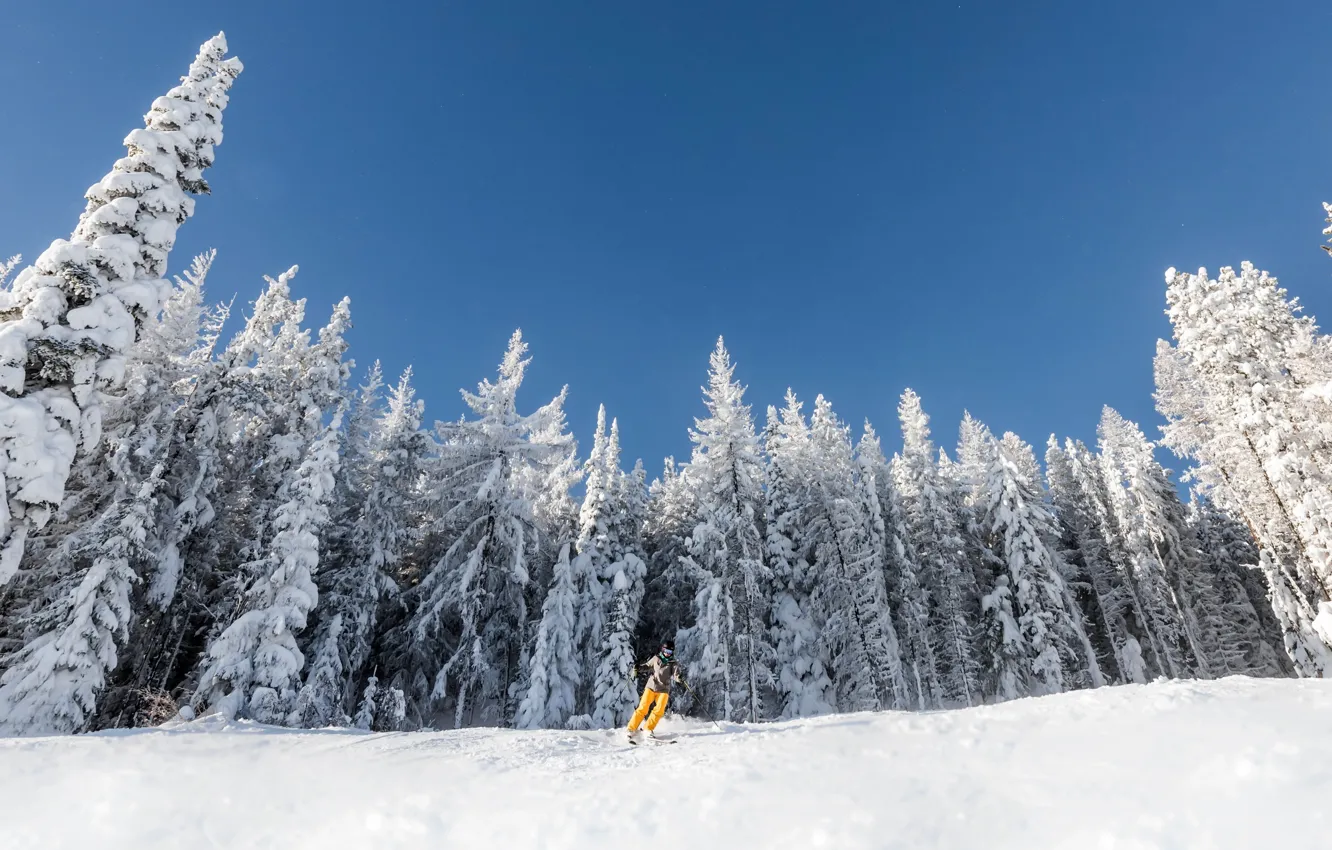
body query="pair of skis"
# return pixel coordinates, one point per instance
(634, 741)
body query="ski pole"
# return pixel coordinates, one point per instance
(701, 703)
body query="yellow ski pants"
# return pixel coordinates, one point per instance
(654, 700)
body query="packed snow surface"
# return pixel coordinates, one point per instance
(1236, 763)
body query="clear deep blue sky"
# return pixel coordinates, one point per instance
(976, 201)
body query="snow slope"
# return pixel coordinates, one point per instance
(1238, 763)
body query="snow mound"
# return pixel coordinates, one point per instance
(1237, 763)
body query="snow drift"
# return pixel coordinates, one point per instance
(1236, 763)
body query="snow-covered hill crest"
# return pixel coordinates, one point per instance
(1232, 764)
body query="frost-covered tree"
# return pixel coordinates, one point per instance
(253, 667)
(1164, 556)
(969, 475)
(1250, 636)
(278, 388)
(845, 535)
(907, 597)
(933, 529)
(548, 486)
(1077, 493)
(1042, 656)
(728, 650)
(1244, 389)
(118, 527)
(622, 579)
(465, 639)
(595, 547)
(55, 684)
(556, 668)
(381, 466)
(280, 470)
(68, 320)
(800, 666)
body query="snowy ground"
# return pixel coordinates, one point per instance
(1237, 763)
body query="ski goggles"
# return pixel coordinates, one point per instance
(668, 653)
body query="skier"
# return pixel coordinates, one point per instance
(663, 671)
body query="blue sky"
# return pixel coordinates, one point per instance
(977, 201)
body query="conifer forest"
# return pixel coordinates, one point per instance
(242, 523)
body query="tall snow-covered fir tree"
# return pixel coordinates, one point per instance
(361, 564)
(1032, 639)
(728, 650)
(907, 597)
(466, 636)
(600, 476)
(67, 321)
(844, 531)
(605, 590)
(1100, 576)
(119, 527)
(556, 669)
(800, 666)
(934, 529)
(281, 468)
(622, 576)
(254, 666)
(1244, 390)
(1164, 557)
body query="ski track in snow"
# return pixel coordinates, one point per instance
(1233, 764)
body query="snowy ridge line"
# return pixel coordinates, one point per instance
(1236, 763)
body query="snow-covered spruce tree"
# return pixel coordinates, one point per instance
(1167, 568)
(969, 475)
(907, 598)
(463, 645)
(172, 616)
(265, 414)
(845, 534)
(343, 588)
(728, 651)
(800, 665)
(1099, 579)
(253, 667)
(933, 529)
(554, 509)
(1231, 469)
(1046, 655)
(54, 686)
(594, 544)
(1250, 634)
(1244, 391)
(275, 502)
(607, 589)
(279, 389)
(358, 572)
(1142, 647)
(178, 617)
(555, 516)
(671, 514)
(117, 527)
(555, 668)
(67, 321)
(614, 691)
